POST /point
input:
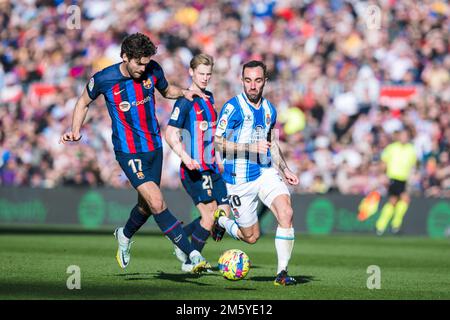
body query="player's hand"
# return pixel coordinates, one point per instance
(261, 146)
(221, 168)
(189, 94)
(190, 163)
(291, 178)
(70, 136)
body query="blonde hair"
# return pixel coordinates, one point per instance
(201, 58)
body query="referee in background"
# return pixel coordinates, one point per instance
(399, 158)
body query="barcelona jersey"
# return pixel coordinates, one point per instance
(131, 106)
(197, 119)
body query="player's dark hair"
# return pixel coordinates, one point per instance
(254, 64)
(137, 45)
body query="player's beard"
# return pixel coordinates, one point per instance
(133, 74)
(254, 98)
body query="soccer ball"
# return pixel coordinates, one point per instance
(234, 264)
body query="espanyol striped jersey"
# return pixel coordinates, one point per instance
(198, 120)
(131, 106)
(240, 122)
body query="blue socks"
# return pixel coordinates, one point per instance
(189, 229)
(135, 221)
(172, 228)
(199, 236)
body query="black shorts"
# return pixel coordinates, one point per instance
(204, 187)
(396, 187)
(141, 167)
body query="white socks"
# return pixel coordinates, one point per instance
(230, 226)
(284, 243)
(122, 238)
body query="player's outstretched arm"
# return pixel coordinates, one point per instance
(173, 138)
(78, 117)
(175, 92)
(280, 162)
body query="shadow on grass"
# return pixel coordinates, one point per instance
(300, 279)
(174, 277)
(240, 289)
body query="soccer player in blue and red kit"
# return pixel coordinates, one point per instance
(190, 133)
(129, 91)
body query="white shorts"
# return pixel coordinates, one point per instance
(244, 197)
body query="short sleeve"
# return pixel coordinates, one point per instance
(230, 118)
(274, 118)
(179, 113)
(161, 82)
(94, 87)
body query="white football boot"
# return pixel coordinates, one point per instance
(123, 252)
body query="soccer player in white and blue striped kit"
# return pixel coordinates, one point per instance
(251, 156)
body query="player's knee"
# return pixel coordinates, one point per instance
(156, 206)
(286, 217)
(207, 222)
(405, 197)
(252, 239)
(393, 200)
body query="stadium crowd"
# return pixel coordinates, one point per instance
(343, 82)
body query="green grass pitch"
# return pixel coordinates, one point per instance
(33, 266)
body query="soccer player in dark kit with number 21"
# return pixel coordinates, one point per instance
(129, 91)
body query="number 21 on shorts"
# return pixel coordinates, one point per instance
(207, 182)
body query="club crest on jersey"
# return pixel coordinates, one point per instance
(140, 175)
(203, 125)
(124, 106)
(268, 120)
(147, 84)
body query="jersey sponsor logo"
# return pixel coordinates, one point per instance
(137, 103)
(118, 92)
(124, 106)
(91, 84)
(175, 114)
(248, 118)
(147, 84)
(203, 125)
